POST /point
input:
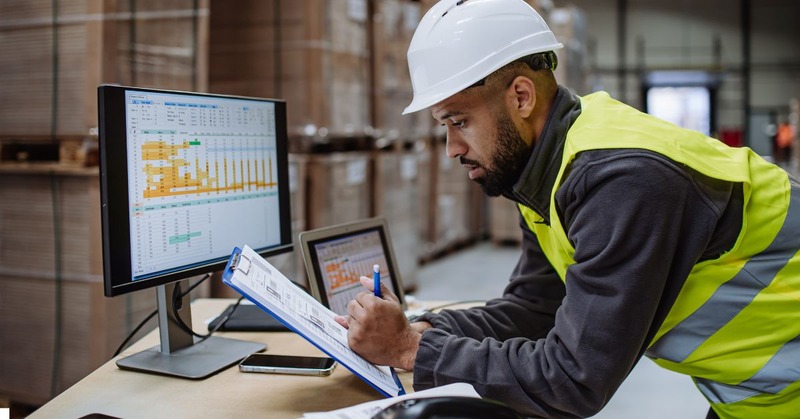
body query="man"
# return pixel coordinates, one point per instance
(640, 238)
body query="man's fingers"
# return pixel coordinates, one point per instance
(355, 307)
(368, 283)
(387, 294)
(342, 320)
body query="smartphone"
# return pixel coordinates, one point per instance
(288, 364)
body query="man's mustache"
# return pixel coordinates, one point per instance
(464, 161)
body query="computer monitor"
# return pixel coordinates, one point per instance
(184, 178)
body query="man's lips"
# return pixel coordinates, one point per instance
(475, 169)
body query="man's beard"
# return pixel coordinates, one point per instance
(508, 159)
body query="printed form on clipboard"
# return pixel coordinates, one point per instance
(257, 280)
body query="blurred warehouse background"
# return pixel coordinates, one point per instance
(729, 69)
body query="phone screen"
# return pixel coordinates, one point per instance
(288, 364)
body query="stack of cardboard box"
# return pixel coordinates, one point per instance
(341, 67)
(54, 59)
(338, 188)
(569, 26)
(51, 61)
(504, 221)
(394, 22)
(51, 285)
(396, 198)
(457, 205)
(311, 53)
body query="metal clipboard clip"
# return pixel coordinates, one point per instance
(242, 263)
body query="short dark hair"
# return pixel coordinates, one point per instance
(536, 62)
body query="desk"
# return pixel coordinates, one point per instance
(230, 393)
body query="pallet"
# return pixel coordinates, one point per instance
(447, 249)
(38, 154)
(506, 242)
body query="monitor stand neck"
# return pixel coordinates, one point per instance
(173, 337)
(180, 354)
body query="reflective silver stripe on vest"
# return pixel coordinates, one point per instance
(782, 370)
(722, 393)
(735, 294)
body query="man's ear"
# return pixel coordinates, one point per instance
(524, 96)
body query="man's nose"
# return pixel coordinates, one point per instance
(455, 146)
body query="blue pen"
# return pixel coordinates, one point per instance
(376, 278)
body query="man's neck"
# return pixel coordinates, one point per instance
(544, 104)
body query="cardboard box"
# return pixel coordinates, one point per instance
(504, 221)
(51, 61)
(395, 197)
(338, 188)
(423, 149)
(569, 26)
(44, 284)
(393, 25)
(455, 205)
(27, 205)
(312, 53)
(91, 328)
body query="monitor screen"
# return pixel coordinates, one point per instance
(185, 178)
(341, 260)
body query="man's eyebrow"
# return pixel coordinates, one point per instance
(450, 114)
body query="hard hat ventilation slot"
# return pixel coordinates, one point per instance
(458, 3)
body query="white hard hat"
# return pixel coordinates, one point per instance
(459, 42)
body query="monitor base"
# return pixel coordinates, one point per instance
(197, 361)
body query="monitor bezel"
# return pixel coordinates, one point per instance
(114, 199)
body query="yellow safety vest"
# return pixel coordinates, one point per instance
(735, 326)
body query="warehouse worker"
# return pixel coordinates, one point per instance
(639, 238)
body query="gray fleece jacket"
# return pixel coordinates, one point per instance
(639, 222)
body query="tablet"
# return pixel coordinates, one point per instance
(335, 257)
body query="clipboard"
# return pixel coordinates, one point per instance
(258, 281)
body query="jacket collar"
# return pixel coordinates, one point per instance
(536, 182)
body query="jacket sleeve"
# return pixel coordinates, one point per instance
(635, 225)
(534, 293)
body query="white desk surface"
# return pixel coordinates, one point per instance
(229, 393)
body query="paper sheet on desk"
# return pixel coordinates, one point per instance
(370, 409)
(260, 282)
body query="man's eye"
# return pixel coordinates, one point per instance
(457, 124)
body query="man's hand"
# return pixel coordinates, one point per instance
(379, 331)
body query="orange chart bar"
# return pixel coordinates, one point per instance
(164, 176)
(339, 275)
